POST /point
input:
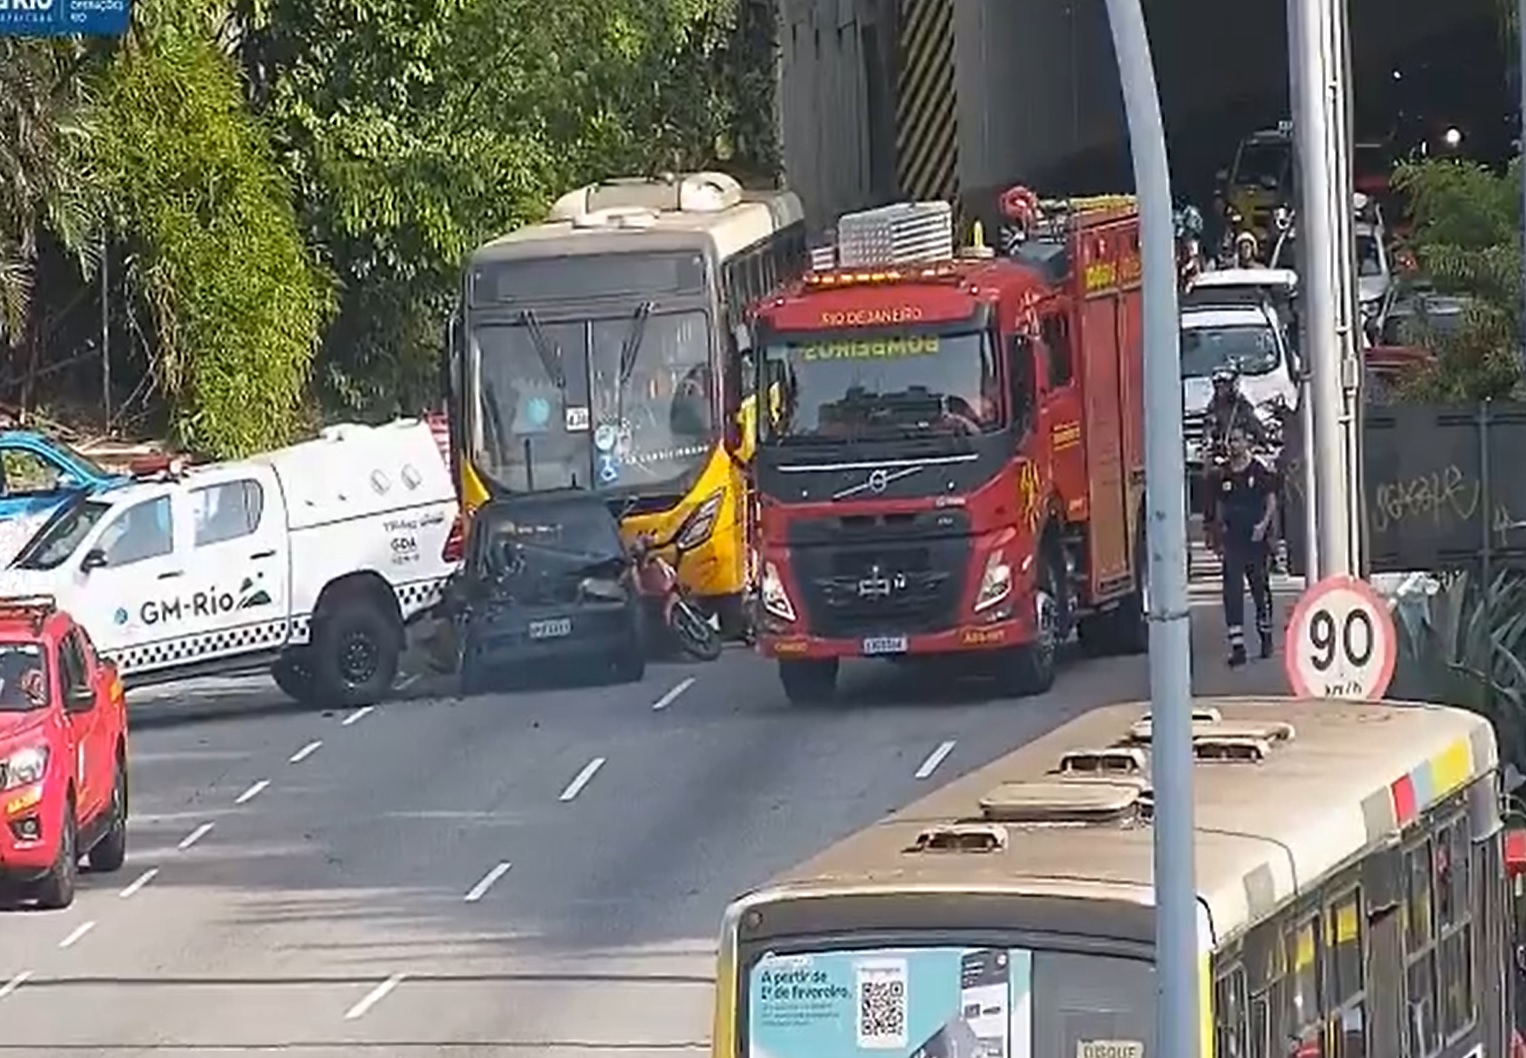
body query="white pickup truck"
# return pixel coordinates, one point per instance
(311, 559)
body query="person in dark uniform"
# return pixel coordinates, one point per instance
(1227, 409)
(1247, 504)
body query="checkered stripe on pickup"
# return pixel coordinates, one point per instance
(186, 650)
(252, 638)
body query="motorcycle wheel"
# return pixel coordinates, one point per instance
(695, 634)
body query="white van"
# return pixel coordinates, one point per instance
(311, 559)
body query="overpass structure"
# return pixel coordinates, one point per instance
(881, 100)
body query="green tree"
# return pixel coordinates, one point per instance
(415, 129)
(46, 182)
(238, 304)
(1466, 236)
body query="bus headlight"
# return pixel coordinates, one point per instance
(995, 582)
(775, 598)
(701, 521)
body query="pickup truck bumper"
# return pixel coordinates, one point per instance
(30, 823)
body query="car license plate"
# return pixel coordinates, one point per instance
(876, 645)
(554, 628)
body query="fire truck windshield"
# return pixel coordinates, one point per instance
(880, 385)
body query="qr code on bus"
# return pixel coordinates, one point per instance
(882, 1004)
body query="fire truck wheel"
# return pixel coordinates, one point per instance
(809, 681)
(1030, 669)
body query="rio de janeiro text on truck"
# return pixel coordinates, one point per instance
(950, 456)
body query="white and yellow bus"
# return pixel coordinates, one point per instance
(1350, 882)
(597, 350)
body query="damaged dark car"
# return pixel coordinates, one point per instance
(545, 587)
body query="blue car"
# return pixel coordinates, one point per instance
(38, 473)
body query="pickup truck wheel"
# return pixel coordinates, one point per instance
(809, 681)
(294, 675)
(110, 852)
(56, 890)
(355, 654)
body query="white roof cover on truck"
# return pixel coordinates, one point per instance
(352, 470)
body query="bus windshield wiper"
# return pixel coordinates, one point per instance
(633, 341)
(550, 355)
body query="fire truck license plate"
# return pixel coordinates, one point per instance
(552, 629)
(875, 645)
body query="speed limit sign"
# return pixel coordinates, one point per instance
(1341, 642)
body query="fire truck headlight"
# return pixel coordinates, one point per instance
(775, 599)
(995, 583)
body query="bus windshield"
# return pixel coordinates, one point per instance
(946, 1002)
(625, 400)
(833, 385)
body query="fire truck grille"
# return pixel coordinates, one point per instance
(850, 592)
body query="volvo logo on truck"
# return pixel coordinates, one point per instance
(878, 586)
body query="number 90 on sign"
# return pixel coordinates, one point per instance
(1341, 642)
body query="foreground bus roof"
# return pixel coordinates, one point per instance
(1347, 777)
(758, 215)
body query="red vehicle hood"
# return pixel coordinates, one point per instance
(18, 729)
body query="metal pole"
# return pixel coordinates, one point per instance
(1305, 391)
(1349, 323)
(106, 329)
(1176, 939)
(1316, 241)
(1520, 39)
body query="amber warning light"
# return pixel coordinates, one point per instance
(856, 279)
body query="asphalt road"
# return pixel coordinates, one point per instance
(492, 876)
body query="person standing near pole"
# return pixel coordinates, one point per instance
(1247, 505)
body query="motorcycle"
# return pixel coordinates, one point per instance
(668, 605)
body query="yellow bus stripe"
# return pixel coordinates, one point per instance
(1451, 768)
(1205, 1003)
(927, 127)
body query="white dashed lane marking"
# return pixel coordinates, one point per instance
(14, 983)
(305, 752)
(478, 891)
(672, 696)
(935, 758)
(253, 792)
(357, 716)
(139, 882)
(76, 935)
(582, 779)
(194, 836)
(373, 997)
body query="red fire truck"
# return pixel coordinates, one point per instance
(950, 456)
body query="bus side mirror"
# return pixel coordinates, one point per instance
(450, 363)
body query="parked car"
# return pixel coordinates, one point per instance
(63, 753)
(38, 473)
(546, 584)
